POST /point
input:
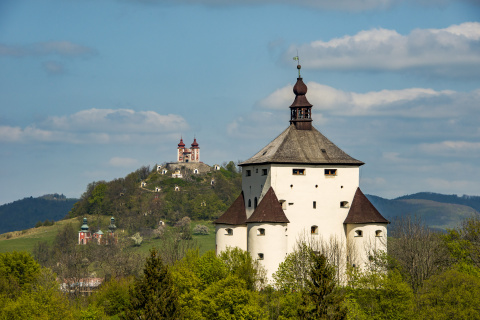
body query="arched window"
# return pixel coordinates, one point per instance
(314, 229)
(260, 232)
(255, 203)
(249, 203)
(344, 204)
(229, 232)
(358, 233)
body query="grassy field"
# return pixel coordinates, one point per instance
(25, 240)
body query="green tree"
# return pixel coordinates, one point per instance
(17, 268)
(450, 295)
(240, 264)
(113, 296)
(153, 295)
(321, 297)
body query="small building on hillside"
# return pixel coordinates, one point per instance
(85, 235)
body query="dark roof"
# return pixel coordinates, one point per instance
(303, 147)
(236, 214)
(269, 210)
(363, 211)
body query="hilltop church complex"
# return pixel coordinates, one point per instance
(301, 186)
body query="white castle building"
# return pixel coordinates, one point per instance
(299, 186)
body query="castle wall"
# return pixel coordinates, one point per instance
(365, 240)
(269, 246)
(237, 238)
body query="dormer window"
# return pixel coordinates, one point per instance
(344, 204)
(260, 232)
(330, 172)
(283, 203)
(298, 172)
(229, 232)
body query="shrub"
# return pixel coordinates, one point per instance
(200, 229)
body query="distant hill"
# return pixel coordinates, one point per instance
(25, 213)
(438, 211)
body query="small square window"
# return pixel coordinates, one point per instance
(260, 232)
(378, 233)
(299, 172)
(264, 172)
(314, 230)
(314, 204)
(330, 172)
(248, 173)
(260, 256)
(229, 232)
(358, 233)
(344, 204)
(256, 170)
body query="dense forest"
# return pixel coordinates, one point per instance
(424, 275)
(25, 213)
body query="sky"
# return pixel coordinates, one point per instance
(92, 90)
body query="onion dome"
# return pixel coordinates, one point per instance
(301, 109)
(84, 226)
(194, 144)
(181, 144)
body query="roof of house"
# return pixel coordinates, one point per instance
(302, 147)
(269, 210)
(236, 214)
(363, 211)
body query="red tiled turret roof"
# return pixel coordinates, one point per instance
(236, 214)
(269, 210)
(363, 211)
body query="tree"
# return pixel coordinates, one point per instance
(240, 264)
(153, 295)
(450, 295)
(17, 268)
(418, 251)
(321, 298)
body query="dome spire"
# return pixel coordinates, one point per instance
(301, 109)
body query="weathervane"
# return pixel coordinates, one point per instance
(296, 58)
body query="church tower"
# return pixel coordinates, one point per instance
(301, 186)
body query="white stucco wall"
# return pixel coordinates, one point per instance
(366, 244)
(237, 239)
(273, 244)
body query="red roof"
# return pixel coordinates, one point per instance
(194, 144)
(181, 144)
(236, 214)
(363, 211)
(269, 210)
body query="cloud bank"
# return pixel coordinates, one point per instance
(448, 52)
(96, 126)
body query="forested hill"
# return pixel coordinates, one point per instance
(202, 196)
(25, 213)
(438, 211)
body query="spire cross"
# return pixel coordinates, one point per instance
(296, 58)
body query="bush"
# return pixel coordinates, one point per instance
(200, 229)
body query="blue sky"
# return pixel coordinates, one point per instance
(92, 90)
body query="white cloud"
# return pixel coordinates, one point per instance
(451, 148)
(59, 48)
(410, 103)
(98, 126)
(122, 162)
(449, 52)
(53, 67)
(344, 5)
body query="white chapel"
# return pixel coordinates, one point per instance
(301, 185)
